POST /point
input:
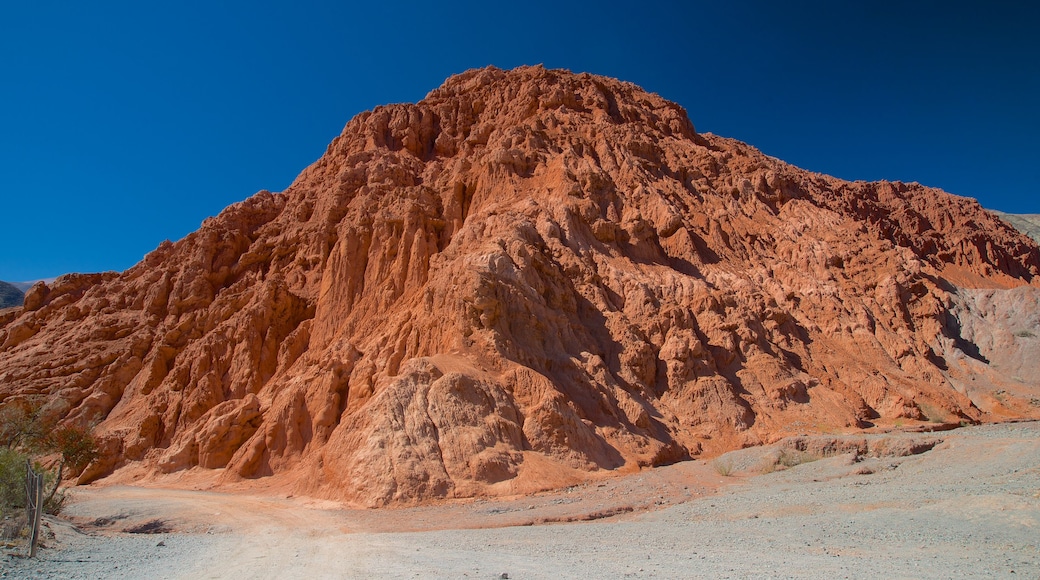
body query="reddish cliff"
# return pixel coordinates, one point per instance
(527, 276)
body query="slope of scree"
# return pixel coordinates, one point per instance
(525, 278)
(1028, 224)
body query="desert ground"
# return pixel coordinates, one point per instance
(954, 504)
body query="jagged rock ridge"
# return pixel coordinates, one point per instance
(528, 276)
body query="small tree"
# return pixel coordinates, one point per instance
(77, 448)
(22, 425)
(26, 432)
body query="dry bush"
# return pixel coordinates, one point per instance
(788, 458)
(722, 466)
(25, 433)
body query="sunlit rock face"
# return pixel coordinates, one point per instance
(527, 278)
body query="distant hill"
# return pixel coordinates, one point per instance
(1028, 224)
(24, 286)
(10, 295)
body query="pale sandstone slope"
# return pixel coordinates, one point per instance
(528, 276)
(1028, 224)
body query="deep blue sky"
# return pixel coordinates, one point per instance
(126, 123)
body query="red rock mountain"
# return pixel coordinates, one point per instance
(528, 276)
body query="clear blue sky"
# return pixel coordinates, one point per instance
(126, 123)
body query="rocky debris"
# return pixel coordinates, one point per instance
(990, 345)
(525, 277)
(821, 446)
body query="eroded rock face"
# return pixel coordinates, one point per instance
(527, 273)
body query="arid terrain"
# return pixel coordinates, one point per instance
(952, 504)
(528, 280)
(536, 325)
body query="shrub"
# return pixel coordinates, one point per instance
(931, 413)
(22, 425)
(12, 481)
(722, 466)
(788, 458)
(76, 445)
(25, 433)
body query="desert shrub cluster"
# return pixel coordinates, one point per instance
(27, 435)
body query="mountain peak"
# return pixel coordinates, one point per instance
(528, 276)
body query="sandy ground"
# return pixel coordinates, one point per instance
(969, 507)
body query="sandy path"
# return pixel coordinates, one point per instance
(968, 508)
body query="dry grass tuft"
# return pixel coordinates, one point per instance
(722, 466)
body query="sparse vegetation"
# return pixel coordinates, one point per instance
(26, 435)
(723, 466)
(931, 413)
(794, 457)
(12, 480)
(788, 458)
(1025, 334)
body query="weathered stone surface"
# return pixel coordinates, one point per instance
(527, 271)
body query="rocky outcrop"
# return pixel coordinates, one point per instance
(528, 276)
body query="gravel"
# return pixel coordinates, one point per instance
(970, 507)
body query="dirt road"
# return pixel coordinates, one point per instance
(968, 507)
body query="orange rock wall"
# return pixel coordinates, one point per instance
(527, 271)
